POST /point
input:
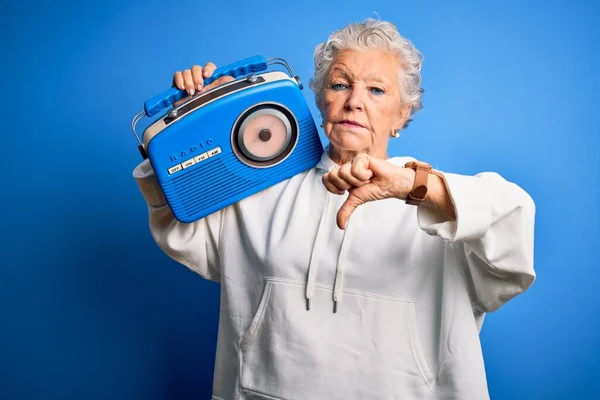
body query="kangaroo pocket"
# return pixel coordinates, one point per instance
(367, 350)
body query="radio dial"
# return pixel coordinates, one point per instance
(264, 135)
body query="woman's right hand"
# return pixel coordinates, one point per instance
(192, 80)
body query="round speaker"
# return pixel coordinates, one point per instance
(264, 135)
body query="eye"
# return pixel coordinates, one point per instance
(338, 86)
(377, 91)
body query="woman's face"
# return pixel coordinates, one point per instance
(361, 101)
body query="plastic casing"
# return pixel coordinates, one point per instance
(223, 179)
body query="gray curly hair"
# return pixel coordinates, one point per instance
(367, 35)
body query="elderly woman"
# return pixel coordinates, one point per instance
(366, 277)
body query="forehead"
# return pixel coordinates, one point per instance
(380, 65)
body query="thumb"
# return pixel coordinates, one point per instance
(351, 203)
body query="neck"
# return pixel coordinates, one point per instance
(342, 156)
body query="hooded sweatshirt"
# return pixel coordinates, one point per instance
(390, 308)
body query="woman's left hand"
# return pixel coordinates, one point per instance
(367, 179)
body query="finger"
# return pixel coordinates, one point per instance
(347, 174)
(343, 216)
(330, 186)
(197, 77)
(360, 168)
(209, 68)
(337, 181)
(188, 81)
(178, 80)
(218, 82)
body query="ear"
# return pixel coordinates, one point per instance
(403, 116)
(320, 103)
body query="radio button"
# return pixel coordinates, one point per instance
(188, 163)
(201, 157)
(214, 152)
(175, 168)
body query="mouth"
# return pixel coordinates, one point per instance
(348, 122)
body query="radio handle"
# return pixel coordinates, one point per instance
(235, 70)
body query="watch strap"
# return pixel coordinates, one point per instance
(419, 189)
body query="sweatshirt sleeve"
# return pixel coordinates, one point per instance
(194, 245)
(495, 223)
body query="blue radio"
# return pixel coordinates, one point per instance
(213, 149)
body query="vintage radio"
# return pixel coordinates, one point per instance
(216, 148)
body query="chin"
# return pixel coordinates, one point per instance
(350, 141)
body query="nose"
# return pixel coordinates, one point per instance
(355, 99)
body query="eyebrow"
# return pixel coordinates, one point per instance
(373, 77)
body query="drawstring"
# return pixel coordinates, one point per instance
(339, 270)
(317, 248)
(312, 266)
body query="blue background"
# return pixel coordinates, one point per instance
(91, 309)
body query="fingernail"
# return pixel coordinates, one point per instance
(199, 86)
(191, 91)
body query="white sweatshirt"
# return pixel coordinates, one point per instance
(411, 288)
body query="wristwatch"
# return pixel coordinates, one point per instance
(419, 190)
